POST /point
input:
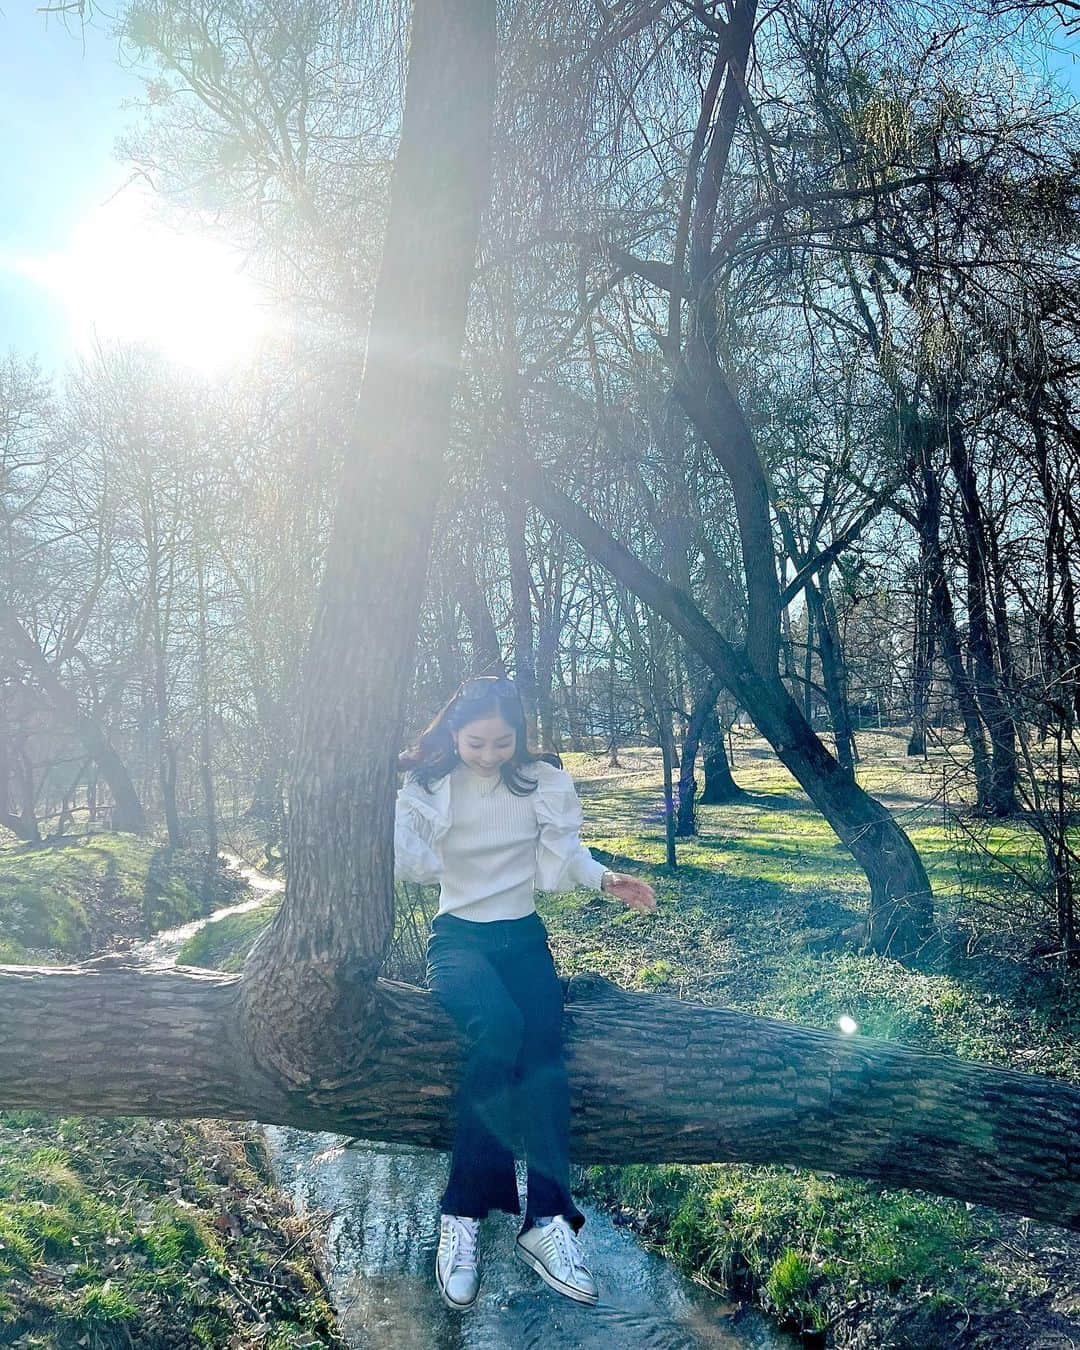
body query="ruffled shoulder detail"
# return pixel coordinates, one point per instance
(433, 807)
(421, 818)
(562, 860)
(555, 797)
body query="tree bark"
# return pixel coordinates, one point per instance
(833, 671)
(720, 786)
(14, 763)
(487, 655)
(514, 513)
(652, 1080)
(312, 971)
(988, 686)
(932, 562)
(704, 711)
(922, 666)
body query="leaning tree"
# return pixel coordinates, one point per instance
(308, 1034)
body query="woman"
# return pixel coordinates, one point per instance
(489, 820)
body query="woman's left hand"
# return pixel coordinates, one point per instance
(637, 894)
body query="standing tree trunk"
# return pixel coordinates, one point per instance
(901, 906)
(720, 786)
(206, 739)
(922, 666)
(487, 655)
(514, 512)
(900, 903)
(833, 671)
(14, 767)
(932, 561)
(309, 981)
(704, 730)
(988, 687)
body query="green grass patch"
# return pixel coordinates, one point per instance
(749, 920)
(225, 943)
(801, 1245)
(66, 898)
(120, 1232)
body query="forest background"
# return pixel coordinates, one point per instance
(766, 419)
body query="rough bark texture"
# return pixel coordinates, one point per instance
(991, 694)
(315, 964)
(652, 1080)
(702, 714)
(833, 671)
(932, 562)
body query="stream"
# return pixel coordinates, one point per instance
(381, 1204)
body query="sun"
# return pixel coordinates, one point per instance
(127, 275)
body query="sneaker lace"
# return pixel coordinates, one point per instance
(464, 1233)
(567, 1240)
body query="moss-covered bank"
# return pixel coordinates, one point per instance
(72, 897)
(161, 1235)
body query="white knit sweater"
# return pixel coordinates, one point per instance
(486, 847)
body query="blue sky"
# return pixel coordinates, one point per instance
(63, 97)
(83, 253)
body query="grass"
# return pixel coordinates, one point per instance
(120, 1233)
(805, 1246)
(225, 943)
(67, 898)
(749, 920)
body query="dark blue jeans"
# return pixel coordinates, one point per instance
(498, 983)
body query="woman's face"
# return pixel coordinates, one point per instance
(486, 744)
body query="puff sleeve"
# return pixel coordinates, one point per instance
(562, 860)
(420, 821)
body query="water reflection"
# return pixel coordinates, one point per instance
(381, 1245)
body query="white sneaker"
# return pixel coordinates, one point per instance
(554, 1253)
(457, 1272)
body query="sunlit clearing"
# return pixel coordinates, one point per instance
(127, 275)
(847, 1025)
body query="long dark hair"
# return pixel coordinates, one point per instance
(433, 755)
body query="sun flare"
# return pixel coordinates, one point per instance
(126, 275)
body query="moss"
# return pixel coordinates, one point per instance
(69, 897)
(224, 944)
(655, 974)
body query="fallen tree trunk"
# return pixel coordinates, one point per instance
(652, 1079)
